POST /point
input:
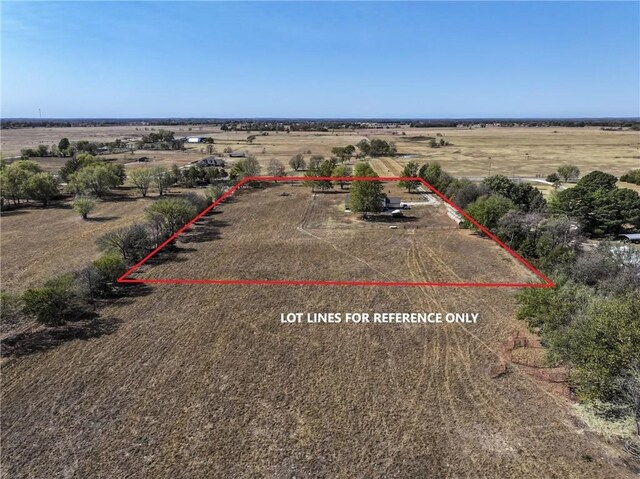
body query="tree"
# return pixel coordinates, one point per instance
(365, 196)
(276, 168)
(324, 170)
(602, 344)
(214, 192)
(95, 179)
(54, 303)
(487, 210)
(315, 161)
(341, 171)
(597, 180)
(467, 192)
(568, 171)
(14, 178)
(162, 179)
(132, 242)
(246, 167)
(84, 206)
(41, 187)
(168, 215)
(632, 176)
(141, 178)
(297, 162)
(64, 144)
(410, 170)
(104, 273)
(76, 163)
(553, 178)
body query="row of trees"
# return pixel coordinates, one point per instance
(24, 180)
(590, 320)
(71, 296)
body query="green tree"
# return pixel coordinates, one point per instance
(14, 178)
(83, 206)
(95, 179)
(602, 344)
(214, 192)
(64, 144)
(487, 210)
(76, 163)
(168, 215)
(410, 170)
(247, 167)
(597, 180)
(141, 179)
(162, 179)
(41, 187)
(341, 171)
(568, 172)
(365, 196)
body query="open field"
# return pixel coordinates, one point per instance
(204, 381)
(274, 232)
(527, 152)
(37, 243)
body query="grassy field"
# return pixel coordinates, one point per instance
(202, 381)
(473, 152)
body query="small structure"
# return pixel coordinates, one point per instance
(237, 154)
(388, 203)
(630, 237)
(391, 203)
(195, 139)
(211, 161)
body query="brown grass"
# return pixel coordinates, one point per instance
(204, 381)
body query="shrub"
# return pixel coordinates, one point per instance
(132, 243)
(54, 303)
(83, 206)
(632, 176)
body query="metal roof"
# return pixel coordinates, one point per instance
(631, 236)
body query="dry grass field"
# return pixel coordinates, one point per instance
(37, 242)
(526, 152)
(204, 381)
(274, 233)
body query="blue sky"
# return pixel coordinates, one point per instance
(333, 59)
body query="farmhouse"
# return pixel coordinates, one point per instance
(211, 161)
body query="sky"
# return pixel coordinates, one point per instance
(320, 59)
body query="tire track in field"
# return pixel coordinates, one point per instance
(439, 355)
(466, 376)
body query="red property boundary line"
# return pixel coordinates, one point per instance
(547, 283)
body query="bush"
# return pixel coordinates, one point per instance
(168, 215)
(632, 176)
(83, 206)
(100, 278)
(214, 192)
(12, 307)
(54, 303)
(132, 243)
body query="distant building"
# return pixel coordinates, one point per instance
(196, 139)
(211, 161)
(237, 154)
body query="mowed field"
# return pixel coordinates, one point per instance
(274, 233)
(205, 381)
